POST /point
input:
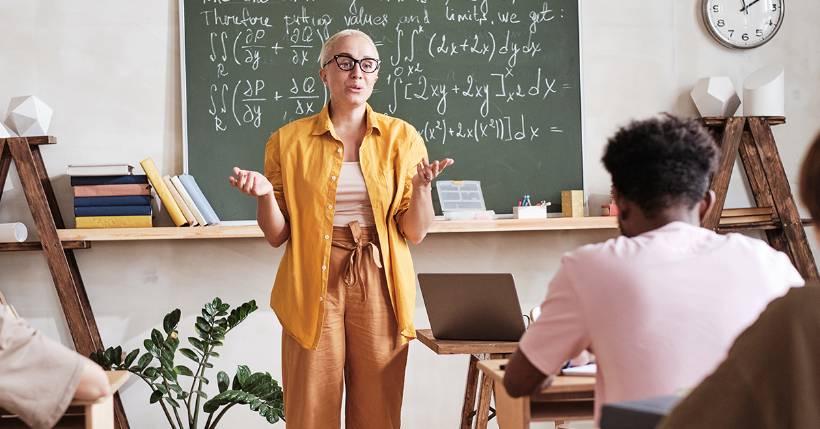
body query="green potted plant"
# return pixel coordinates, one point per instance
(157, 368)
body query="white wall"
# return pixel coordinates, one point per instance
(110, 71)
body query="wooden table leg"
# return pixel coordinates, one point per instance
(511, 413)
(485, 392)
(467, 409)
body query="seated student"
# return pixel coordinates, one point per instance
(771, 378)
(39, 377)
(660, 305)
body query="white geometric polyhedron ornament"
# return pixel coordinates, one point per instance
(29, 116)
(715, 96)
(5, 132)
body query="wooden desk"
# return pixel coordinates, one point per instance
(478, 350)
(567, 398)
(98, 414)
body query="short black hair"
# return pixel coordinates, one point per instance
(810, 180)
(661, 162)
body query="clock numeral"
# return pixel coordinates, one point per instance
(745, 37)
(774, 7)
(759, 32)
(731, 33)
(716, 8)
(721, 23)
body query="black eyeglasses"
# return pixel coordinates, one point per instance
(347, 63)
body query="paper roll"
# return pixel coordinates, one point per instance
(14, 232)
(763, 93)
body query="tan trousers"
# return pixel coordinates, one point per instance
(360, 349)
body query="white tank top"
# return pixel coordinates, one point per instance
(352, 200)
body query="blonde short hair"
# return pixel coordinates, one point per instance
(327, 47)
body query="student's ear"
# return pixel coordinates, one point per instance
(624, 208)
(323, 76)
(707, 204)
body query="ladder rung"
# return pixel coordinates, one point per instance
(35, 245)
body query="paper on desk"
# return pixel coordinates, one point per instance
(460, 195)
(584, 370)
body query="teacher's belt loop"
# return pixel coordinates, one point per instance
(352, 272)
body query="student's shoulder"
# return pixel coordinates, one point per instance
(750, 245)
(615, 248)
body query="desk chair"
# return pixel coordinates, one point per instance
(478, 350)
(568, 398)
(98, 414)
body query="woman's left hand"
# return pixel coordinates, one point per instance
(426, 172)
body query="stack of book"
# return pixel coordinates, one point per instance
(110, 196)
(181, 197)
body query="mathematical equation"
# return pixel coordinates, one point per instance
(463, 71)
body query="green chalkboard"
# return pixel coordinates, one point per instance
(494, 84)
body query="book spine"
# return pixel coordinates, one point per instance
(108, 180)
(113, 211)
(113, 222)
(99, 170)
(110, 190)
(187, 198)
(180, 202)
(164, 194)
(199, 198)
(126, 200)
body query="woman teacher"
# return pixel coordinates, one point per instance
(345, 189)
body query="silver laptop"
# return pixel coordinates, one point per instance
(472, 306)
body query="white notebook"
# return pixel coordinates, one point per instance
(585, 370)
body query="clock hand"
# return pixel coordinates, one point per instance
(746, 9)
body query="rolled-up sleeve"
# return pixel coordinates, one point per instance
(416, 153)
(38, 376)
(273, 171)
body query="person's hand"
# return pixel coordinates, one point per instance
(426, 172)
(250, 183)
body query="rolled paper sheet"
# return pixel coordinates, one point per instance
(14, 232)
(763, 92)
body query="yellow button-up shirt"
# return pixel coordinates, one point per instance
(302, 162)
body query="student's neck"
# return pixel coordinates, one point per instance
(345, 119)
(669, 215)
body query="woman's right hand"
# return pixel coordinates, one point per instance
(250, 183)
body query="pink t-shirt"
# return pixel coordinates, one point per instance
(659, 310)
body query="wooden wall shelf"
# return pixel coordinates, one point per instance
(253, 231)
(731, 220)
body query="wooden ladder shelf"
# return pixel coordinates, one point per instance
(776, 212)
(25, 152)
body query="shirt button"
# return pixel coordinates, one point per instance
(330, 206)
(327, 237)
(324, 267)
(339, 150)
(321, 299)
(332, 177)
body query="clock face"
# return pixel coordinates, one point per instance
(743, 23)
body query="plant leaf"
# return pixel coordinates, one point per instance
(157, 338)
(155, 397)
(242, 374)
(190, 354)
(240, 313)
(131, 357)
(171, 320)
(197, 343)
(183, 370)
(144, 361)
(222, 381)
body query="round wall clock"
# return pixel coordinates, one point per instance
(743, 24)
